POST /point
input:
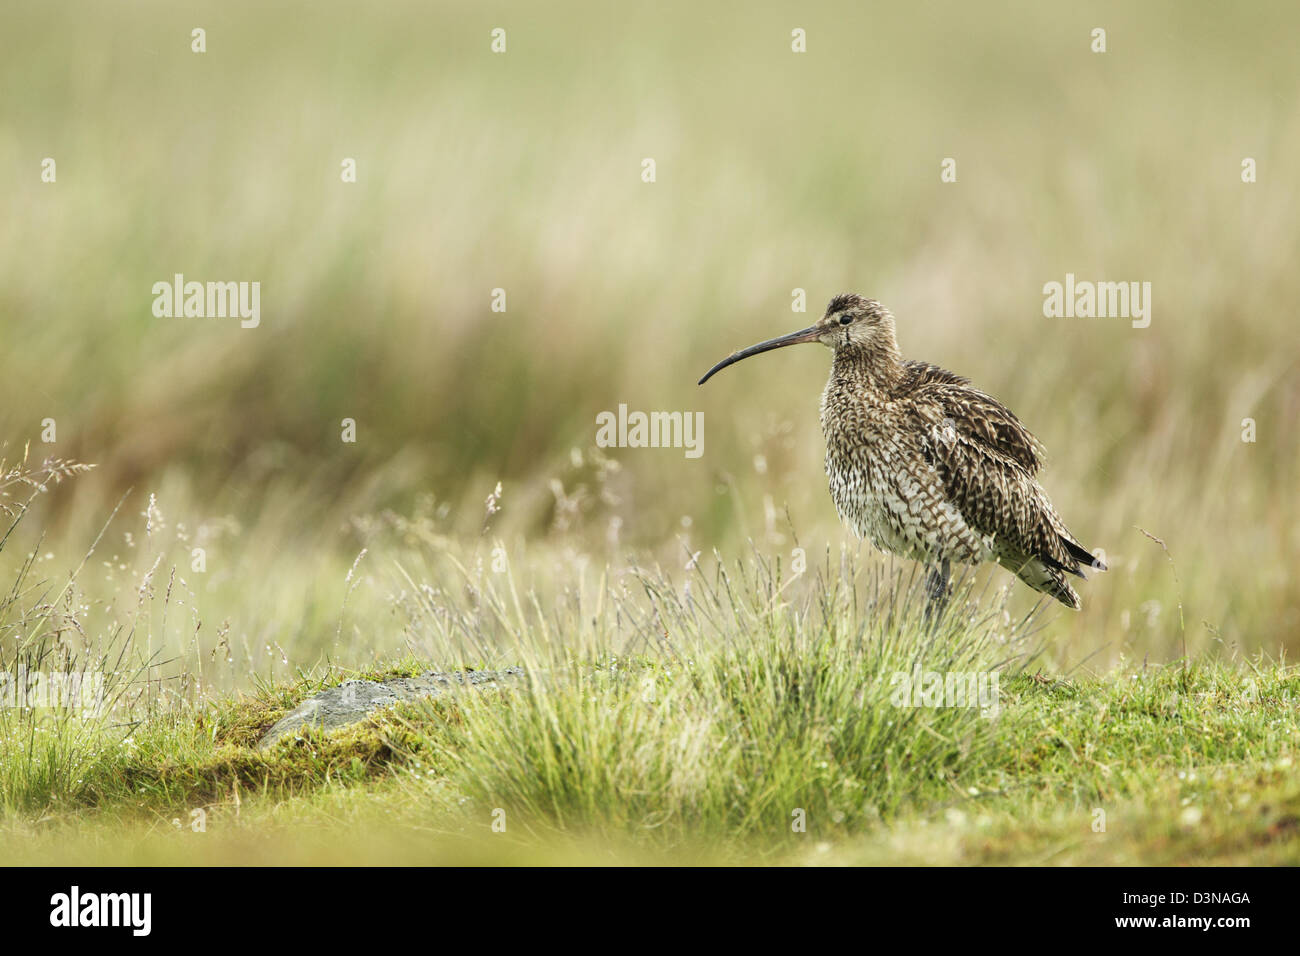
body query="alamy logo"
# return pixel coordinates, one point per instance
(103, 909)
(55, 689)
(208, 300)
(653, 430)
(946, 689)
(1102, 300)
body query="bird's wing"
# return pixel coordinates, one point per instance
(973, 416)
(986, 460)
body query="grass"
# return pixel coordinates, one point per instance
(1153, 766)
(737, 712)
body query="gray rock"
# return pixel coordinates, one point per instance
(353, 700)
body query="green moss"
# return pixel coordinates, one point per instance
(299, 763)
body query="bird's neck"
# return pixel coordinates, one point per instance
(875, 368)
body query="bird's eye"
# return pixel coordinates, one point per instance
(845, 319)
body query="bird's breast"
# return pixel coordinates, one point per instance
(882, 484)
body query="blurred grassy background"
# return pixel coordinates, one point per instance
(521, 171)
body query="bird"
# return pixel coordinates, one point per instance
(927, 466)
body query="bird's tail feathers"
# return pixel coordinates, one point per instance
(1049, 580)
(1082, 554)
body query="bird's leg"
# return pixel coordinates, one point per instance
(936, 590)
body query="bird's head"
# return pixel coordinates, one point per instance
(850, 322)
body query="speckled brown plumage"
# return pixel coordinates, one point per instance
(927, 466)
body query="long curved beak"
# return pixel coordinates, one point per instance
(809, 334)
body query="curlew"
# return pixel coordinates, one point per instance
(925, 465)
